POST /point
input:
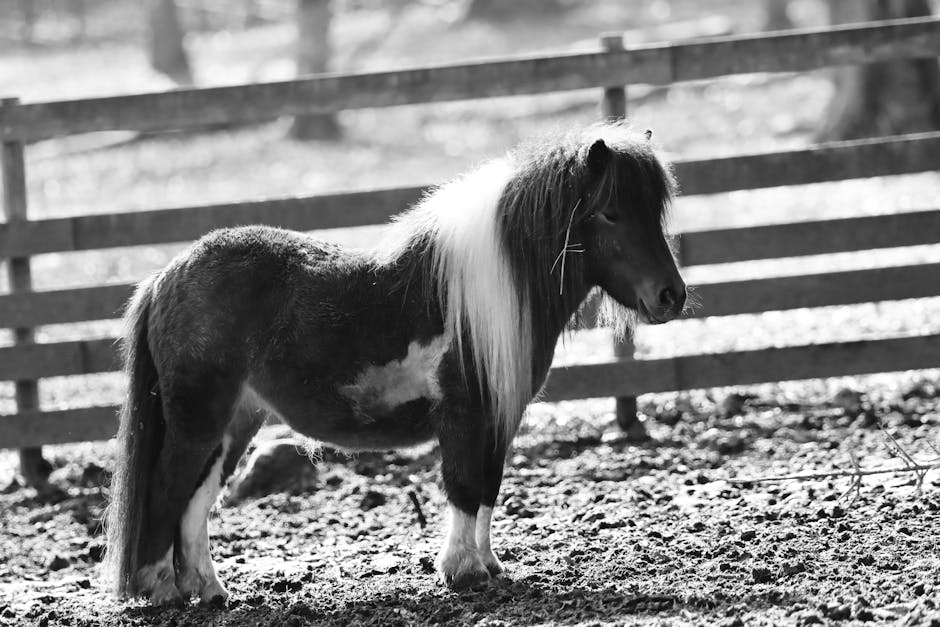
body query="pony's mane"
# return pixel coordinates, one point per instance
(503, 247)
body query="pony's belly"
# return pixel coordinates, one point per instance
(408, 425)
(340, 423)
(382, 406)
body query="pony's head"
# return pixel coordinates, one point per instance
(588, 209)
(627, 190)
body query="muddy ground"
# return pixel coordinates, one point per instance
(593, 529)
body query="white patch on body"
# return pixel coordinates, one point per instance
(397, 382)
(484, 520)
(158, 580)
(482, 300)
(459, 561)
(197, 572)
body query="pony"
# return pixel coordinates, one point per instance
(445, 331)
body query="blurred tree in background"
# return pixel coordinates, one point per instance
(313, 57)
(511, 9)
(882, 98)
(777, 16)
(27, 10)
(167, 53)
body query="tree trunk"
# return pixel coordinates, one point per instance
(80, 18)
(28, 27)
(776, 16)
(496, 10)
(888, 98)
(313, 57)
(167, 54)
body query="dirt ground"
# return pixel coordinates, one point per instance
(592, 529)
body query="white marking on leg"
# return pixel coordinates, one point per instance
(158, 580)
(392, 384)
(484, 518)
(459, 561)
(197, 573)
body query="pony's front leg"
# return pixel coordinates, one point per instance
(461, 438)
(494, 459)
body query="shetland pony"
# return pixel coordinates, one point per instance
(445, 331)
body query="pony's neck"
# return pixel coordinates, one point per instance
(548, 325)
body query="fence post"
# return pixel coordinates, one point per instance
(614, 107)
(27, 10)
(34, 469)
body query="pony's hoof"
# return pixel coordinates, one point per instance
(166, 594)
(462, 570)
(465, 579)
(189, 583)
(217, 602)
(213, 594)
(205, 585)
(157, 582)
(492, 564)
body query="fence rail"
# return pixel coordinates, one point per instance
(815, 237)
(720, 299)
(586, 381)
(833, 161)
(655, 64)
(764, 365)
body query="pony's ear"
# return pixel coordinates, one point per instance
(598, 156)
(649, 134)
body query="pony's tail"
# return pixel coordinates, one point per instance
(138, 443)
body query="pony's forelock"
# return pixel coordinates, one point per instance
(637, 164)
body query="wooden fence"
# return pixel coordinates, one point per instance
(20, 238)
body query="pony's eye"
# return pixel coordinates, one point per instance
(609, 214)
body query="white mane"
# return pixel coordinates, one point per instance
(482, 301)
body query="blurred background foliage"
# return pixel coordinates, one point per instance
(58, 49)
(206, 42)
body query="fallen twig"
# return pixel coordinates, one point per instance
(856, 486)
(413, 496)
(919, 467)
(911, 464)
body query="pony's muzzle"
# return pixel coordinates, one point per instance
(662, 303)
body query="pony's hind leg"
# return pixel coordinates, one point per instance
(157, 580)
(197, 574)
(461, 439)
(195, 421)
(174, 478)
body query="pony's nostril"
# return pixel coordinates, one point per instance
(667, 298)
